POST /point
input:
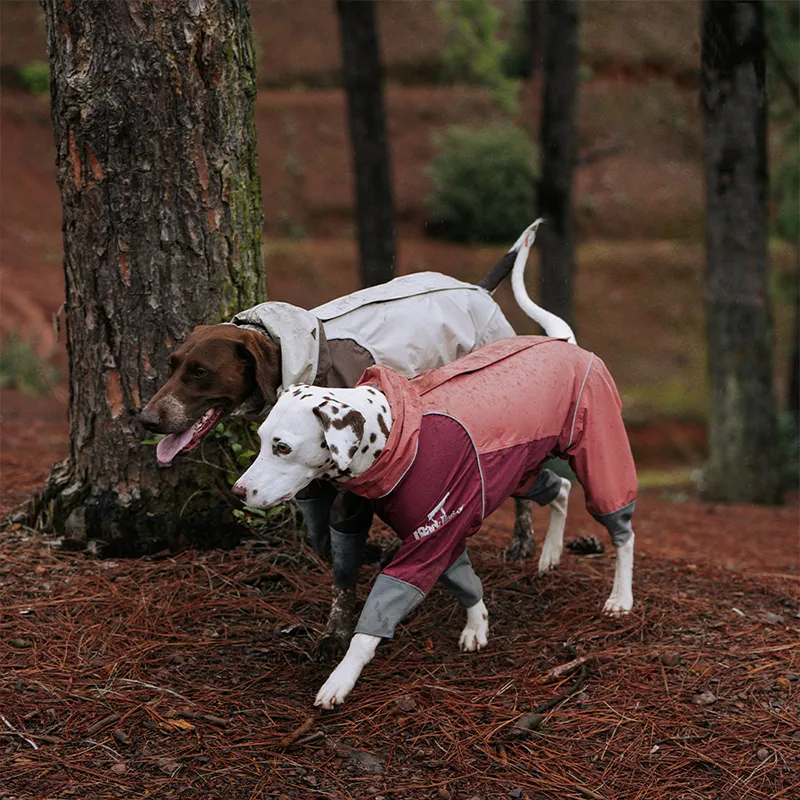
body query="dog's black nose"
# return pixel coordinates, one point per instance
(239, 491)
(150, 420)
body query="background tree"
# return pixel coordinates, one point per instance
(152, 108)
(559, 153)
(782, 22)
(363, 79)
(742, 465)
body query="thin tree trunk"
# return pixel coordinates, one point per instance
(363, 78)
(743, 464)
(559, 149)
(152, 108)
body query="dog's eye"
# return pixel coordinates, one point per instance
(282, 449)
(199, 372)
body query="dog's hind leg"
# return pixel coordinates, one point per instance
(522, 544)
(553, 545)
(544, 490)
(618, 524)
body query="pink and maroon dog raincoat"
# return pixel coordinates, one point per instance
(467, 436)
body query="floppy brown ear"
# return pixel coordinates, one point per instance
(343, 430)
(265, 357)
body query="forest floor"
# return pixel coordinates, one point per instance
(191, 674)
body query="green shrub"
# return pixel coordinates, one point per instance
(35, 77)
(21, 368)
(474, 52)
(484, 184)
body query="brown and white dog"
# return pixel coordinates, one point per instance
(412, 324)
(218, 370)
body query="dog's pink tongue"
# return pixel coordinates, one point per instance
(172, 444)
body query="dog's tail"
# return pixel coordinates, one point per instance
(553, 326)
(502, 269)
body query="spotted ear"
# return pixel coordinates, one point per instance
(343, 429)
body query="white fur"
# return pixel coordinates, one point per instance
(343, 678)
(553, 326)
(620, 601)
(171, 409)
(476, 632)
(553, 545)
(274, 478)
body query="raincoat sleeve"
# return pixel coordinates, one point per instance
(435, 509)
(416, 567)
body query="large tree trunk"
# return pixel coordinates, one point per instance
(363, 79)
(559, 149)
(742, 465)
(152, 107)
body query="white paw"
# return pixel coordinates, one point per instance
(550, 557)
(337, 687)
(473, 639)
(475, 634)
(618, 605)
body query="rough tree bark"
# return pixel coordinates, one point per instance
(152, 108)
(559, 152)
(363, 79)
(742, 465)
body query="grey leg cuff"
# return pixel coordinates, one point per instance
(545, 489)
(462, 582)
(388, 603)
(618, 524)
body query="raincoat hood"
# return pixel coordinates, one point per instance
(401, 447)
(295, 330)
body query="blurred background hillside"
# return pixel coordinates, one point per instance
(638, 199)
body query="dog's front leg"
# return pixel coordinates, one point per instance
(343, 678)
(351, 518)
(461, 580)
(476, 632)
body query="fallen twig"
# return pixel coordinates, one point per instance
(297, 732)
(212, 718)
(557, 673)
(102, 723)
